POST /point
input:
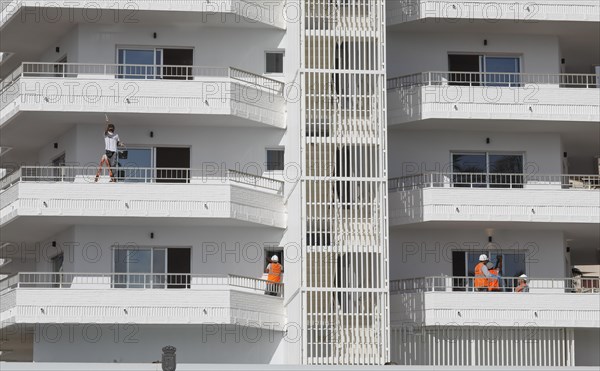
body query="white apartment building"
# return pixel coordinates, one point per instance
(376, 147)
(494, 134)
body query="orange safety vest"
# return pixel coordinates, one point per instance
(493, 284)
(274, 272)
(480, 279)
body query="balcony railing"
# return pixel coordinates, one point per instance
(136, 175)
(99, 281)
(493, 180)
(496, 79)
(506, 284)
(138, 72)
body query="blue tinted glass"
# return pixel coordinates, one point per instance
(120, 261)
(502, 64)
(514, 265)
(507, 68)
(158, 263)
(136, 168)
(139, 56)
(138, 62)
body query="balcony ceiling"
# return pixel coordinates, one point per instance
(579, 41)
(29, 40)
(580, 139)
(48, 125)
(30, 229)
(583, 239)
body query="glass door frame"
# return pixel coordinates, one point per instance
(128, 284)
(157, 71)
(487, 163)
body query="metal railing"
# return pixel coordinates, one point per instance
(99, 281)
(493, 180)
(138, 72)
(497, 79)
(133, 175)
(505, 284)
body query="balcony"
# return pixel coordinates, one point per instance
(28, 27)
(451, 301)
(113, 298)
(39, 201)
(487, 98)
(519, 13)
(60, 94)
(457, 197)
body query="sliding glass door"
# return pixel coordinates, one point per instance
(151, 268)
(501, 71)
(139, 63)
(487, 170)
(155, 165)
(155, 63)
(486, 70)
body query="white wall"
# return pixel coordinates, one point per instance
(409, 53)
(414, 152)
(231, 148)
(143, 344)
(44, 251)
(215, 250)
(428, 252)
(69, 47)
(67, 144)
(213, 46)
(587, 343)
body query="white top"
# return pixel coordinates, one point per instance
(110, 141)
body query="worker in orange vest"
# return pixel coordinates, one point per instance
(494, 280)
(481, 274)
(274, 271)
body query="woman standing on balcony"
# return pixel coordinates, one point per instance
(111, 142)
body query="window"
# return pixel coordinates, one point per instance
(274, 62)
(137, 267)
(487, 170)
(151, 267)
(155, 63)
(275, 159)
(487, 70)
(501, 71)
(155, 164)
(141, 63)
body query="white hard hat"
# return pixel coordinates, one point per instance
(483, 258)
(275, 258)
(523, 276)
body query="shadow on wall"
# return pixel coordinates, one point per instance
(132, 343)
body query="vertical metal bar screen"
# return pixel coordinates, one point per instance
(344, 183)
